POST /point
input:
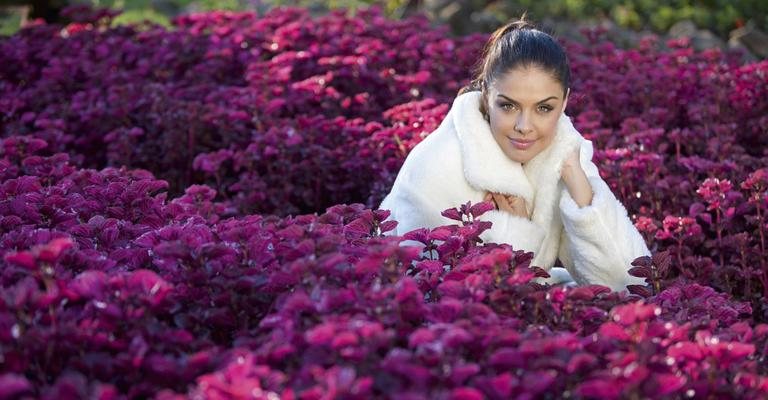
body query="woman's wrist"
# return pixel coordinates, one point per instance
(577, 184)
(567, 172)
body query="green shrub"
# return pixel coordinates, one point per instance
(720, 16)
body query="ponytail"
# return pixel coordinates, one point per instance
(477, 83)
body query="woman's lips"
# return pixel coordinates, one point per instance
(522, 144)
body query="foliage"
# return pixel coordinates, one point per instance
(719, 16)
(188, 213)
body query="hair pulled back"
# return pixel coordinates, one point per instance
(518, 44)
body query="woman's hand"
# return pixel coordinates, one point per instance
(576, 180)
(512, 204)
(572, 161)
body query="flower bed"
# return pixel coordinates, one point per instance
(188, 213)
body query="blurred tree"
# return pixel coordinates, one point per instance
(463, 16)
(48, 10)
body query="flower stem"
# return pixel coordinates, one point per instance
(720, 250)
(763, 269)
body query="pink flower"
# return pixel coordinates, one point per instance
(714, 192)
(757, 180)
(678, 227)
(646, 225)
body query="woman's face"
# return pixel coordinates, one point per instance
(524, 106)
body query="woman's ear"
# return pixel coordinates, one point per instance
(565, 100)
(485, 107)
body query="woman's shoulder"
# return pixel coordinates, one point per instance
(440, 156)
(440, 144)
(436, 158)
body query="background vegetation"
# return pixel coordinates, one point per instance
(719, 16)
(189, 213)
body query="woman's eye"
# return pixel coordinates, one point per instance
(510, 106)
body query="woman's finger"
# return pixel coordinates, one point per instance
(501, 202)
(517, 204)
(489, 197)
(523, 208)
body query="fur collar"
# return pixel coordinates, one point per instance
(486, 167)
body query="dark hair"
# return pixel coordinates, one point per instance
(518, 44)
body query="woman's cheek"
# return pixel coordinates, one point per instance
(501, 123)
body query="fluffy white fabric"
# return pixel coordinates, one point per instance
(460, 161)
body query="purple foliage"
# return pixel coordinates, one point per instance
(187, 214)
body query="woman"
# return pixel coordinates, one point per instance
(506, 139)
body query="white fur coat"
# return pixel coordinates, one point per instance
(460, 161)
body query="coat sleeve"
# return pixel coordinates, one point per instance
(419, 205)
(599, 240)
(417, 202)
(521, 233)
(420, 194)
(412, 210)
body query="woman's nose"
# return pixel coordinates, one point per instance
(522, 124)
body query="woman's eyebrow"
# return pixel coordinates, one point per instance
(514, 101)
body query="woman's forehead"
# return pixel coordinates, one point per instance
(527, 84)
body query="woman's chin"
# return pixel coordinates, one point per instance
(519, 156)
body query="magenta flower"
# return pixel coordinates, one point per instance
(714, 192)
(646, 225)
